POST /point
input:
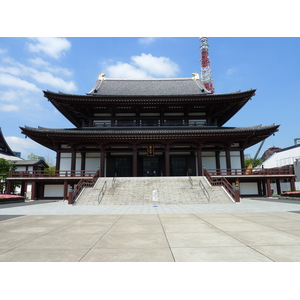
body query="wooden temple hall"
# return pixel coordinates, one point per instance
(149, 127)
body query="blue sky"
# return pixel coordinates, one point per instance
(72, 65)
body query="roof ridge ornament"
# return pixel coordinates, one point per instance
(101, 76)
(196, 75)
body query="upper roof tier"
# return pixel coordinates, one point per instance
(148, 87)
(137, 96)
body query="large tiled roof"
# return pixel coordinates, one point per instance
(148, 87)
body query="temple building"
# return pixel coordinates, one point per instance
(149, 127)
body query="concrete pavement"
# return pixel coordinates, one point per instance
(264, 230)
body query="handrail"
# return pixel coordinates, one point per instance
(245, 171)
(101, 194)
(54, 173)
(83, 183)
(221, 181)
(204, 190)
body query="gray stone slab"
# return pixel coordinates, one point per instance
(132, 240)
(12, 240)
(242, 226)
(286, 226)
(200, 239)
(218, 254)
(63, 241)
(129, 255)
(42, 255)
(7, 217)
(275, 237)
(137, 228)
(280, 253)
(188, 227)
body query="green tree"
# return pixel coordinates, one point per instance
(5, 167)
(256, 163)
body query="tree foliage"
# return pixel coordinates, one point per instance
(5, 167)
(256, 163)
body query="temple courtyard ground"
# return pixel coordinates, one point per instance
(255, 230)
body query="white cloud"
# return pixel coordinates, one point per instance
(9, 107)
(12, 81)
(125, 70)
(2, 51)
(231, 71)
(54, 47)
(39, 62)
(156, 66)
(143, 66)
(146, 40)
(49, 79)
(23, 145)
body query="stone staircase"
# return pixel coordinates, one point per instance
(144, 190)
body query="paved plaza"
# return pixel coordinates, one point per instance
(261, 230)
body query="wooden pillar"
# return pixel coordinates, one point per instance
(65, 190)
(269, 193)
(58, 157)
(264, 187)
(8, 187)
(292, 181)
(73, 159)
(228, 161)
(167, 160)
(259, 188)
(83, 161)
(33, 190)
(278, 186)
(218, 164)
(134, 161)
(102, 161)
(242, 158)
(199, 161)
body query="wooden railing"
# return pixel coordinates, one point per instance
(83, 183)
(221, 181)
(55, 173)
(234, 172)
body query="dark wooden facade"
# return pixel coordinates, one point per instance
(152, 127)
(120, 120)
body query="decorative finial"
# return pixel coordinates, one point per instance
(100, 77)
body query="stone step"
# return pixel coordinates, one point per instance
(139, 190)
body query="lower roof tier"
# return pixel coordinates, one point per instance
(244, 136)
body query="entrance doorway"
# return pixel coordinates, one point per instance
(178, 166)
(123, 166)
(151, 166)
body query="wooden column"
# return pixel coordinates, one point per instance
(269, 193)
(65, 190)
(58, 157)
(167, 160)
(242, 157)
(83, 160)
(293, 187)
(278, 186)
(8, 187)
(134, 161)
(228, 161)
(199, 161)
(73, 159)
(218, 164)
(102, 161)
(259, 188)
(33, 190)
